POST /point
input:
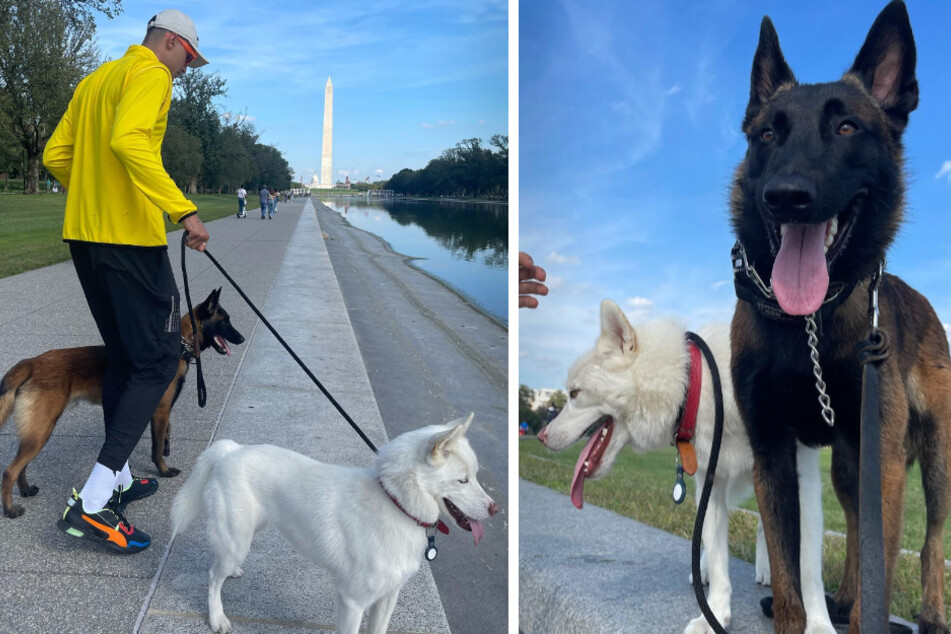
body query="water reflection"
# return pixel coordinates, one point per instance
(464, 244)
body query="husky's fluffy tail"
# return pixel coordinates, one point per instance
(188, 501)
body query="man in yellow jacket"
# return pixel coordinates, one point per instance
(107, 151)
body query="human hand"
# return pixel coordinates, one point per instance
(529, 281)
(197, 234)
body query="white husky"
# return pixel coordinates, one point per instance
(631, 387)
(367, 527)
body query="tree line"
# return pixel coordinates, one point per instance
(48, 46)
(538, 417)
(467, 170)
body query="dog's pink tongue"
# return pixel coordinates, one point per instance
(478, 530)
(577, 481)
(800, 274)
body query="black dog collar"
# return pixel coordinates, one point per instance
(750, 288)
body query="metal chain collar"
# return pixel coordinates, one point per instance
(828, 414)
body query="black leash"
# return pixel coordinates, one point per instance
(202, 392)
(257, 312)
(708, 482)
(872, 352)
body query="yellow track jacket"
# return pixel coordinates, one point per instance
(107, 150)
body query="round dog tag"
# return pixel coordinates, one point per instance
(431, 552)
(680, 488)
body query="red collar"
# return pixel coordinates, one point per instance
(687, 423)
(439, 524)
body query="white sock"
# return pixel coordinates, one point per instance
(98, 488)
(125, 478)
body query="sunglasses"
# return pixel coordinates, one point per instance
(190, 53)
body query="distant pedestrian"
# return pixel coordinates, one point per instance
(272, 203)
(242, 200)
(264, 194)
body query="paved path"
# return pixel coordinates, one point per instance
(593, 571)
(52, 583)
(430, 356)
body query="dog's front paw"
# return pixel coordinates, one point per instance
(219, 623)
(932, 628)
(762, 575)
(237, 573)
(700, 626)
(169, 472)
(30, 491)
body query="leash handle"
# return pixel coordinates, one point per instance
(202, 391)
(303, 366)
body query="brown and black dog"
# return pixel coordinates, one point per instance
(815, 204)
(37, 390)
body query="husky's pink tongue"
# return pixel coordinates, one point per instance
(800, 274)
(582, 472)
(477, 530)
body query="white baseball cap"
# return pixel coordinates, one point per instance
(181, 25)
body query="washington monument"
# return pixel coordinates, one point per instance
(326, 156)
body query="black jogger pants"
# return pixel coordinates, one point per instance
(134, 299)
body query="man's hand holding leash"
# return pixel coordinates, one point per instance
(196, 236)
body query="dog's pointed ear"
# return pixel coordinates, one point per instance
(442, 442)
(211, 302)
(886, 63)
(616, 329)
(464, 422)
(770, 71)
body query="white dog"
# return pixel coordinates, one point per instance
(631, 387)
(367, 527)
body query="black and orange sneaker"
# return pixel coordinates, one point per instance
(140, 488)
(106, 526)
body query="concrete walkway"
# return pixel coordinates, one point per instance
(593, 571)
(52, 583)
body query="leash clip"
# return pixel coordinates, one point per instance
(873, 311)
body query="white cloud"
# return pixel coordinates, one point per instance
(675, 89)
(944, 171)
(557, 258)
(438, 124)
(947, 330)
(377, 171)
(481, 121)
(718, 285)
(237, 117)
(639, 302)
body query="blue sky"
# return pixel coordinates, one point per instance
(410, 79)
(630, 119)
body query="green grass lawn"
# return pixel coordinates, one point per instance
(31, 227)
(639, 486)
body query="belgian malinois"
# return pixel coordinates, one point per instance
(37, 390)
(815, 205)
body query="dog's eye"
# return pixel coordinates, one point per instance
(573, 393)
(767, 135)
(846, 128)
(464, 481)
